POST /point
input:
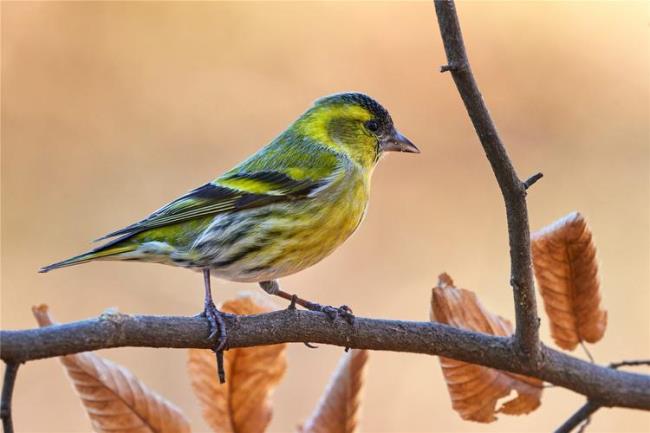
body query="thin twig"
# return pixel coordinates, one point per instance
(512, 188)
(11, 370)
(580, 416)
(532, 180)
(453, 67)
(584, 425)
(629, 363)
(612, 387)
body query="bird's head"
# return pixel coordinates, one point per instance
(356, 125)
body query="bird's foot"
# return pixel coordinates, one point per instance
(217, 327)
(343, 311)
(273, 288)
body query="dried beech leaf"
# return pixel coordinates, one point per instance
(114, 399)
(242, 404)
(474, 389)
(338, 409)
(564, 259)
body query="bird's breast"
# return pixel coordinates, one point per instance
(286, 238)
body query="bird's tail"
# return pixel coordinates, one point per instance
(102, 252)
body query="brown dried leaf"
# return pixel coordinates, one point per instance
(242, 404)
(474, 389)
(564, 259)
(338, 409)
(114, 399)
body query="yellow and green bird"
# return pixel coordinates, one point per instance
(281, 210)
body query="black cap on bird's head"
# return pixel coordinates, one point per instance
(380, 123)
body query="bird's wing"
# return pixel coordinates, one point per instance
(232, 192)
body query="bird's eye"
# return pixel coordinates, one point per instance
(372, 126)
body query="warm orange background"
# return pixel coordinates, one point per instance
(110, 110)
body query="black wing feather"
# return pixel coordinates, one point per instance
(211, 199)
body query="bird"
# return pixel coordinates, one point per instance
(281, 210)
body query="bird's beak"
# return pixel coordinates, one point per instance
(396, 142)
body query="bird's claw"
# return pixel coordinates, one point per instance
(332, 313)
(217, 326)
(346, 313)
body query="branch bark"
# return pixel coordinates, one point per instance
(512, 188)
(607, 386)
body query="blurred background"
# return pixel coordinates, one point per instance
(110, 110)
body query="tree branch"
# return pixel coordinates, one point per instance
(512, 188)
(608, 386)
(581, 415)
(11, 370)
(589, 408)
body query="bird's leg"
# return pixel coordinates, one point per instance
(217, 325)
(273, 288)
